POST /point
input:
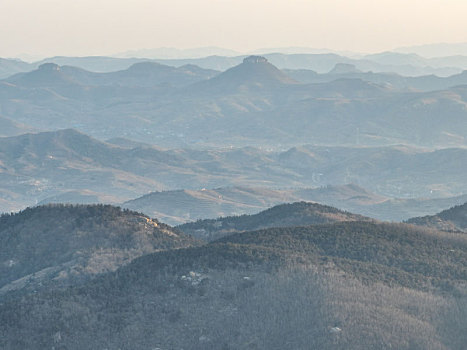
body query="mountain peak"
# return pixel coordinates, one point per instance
(255, 59)
(282, 215)
(46, 75)
(255, 71)
(344, 68)
(49, 67)
(146, 66)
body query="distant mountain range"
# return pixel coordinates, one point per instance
(144, 74)
(9, 67)
(70, 166)
(391, 80)
(436, 50)
(405, 63)
(180, 206)
(250, 104)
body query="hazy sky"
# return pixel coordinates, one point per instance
(90, 27)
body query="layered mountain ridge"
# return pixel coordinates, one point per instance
(193, 107)
(276, 169)
(353, 277)
(36, 168)
(284, 215)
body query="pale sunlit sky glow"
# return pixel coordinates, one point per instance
(102, 27)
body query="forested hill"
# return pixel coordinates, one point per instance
(348, 285)
(295, 214)
(453, 219)
(64, 244)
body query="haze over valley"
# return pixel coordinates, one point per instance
(233, 175)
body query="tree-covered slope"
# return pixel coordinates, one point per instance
(350, 285)
(453, 219)
(63, 244)
(294, 214)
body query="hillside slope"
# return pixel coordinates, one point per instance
(326, 286)
(453, 219)
(10, 128)
(284, 215)
(71, 165)
(59, 245)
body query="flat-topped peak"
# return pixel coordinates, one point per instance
(49, 67)
(255, 59)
